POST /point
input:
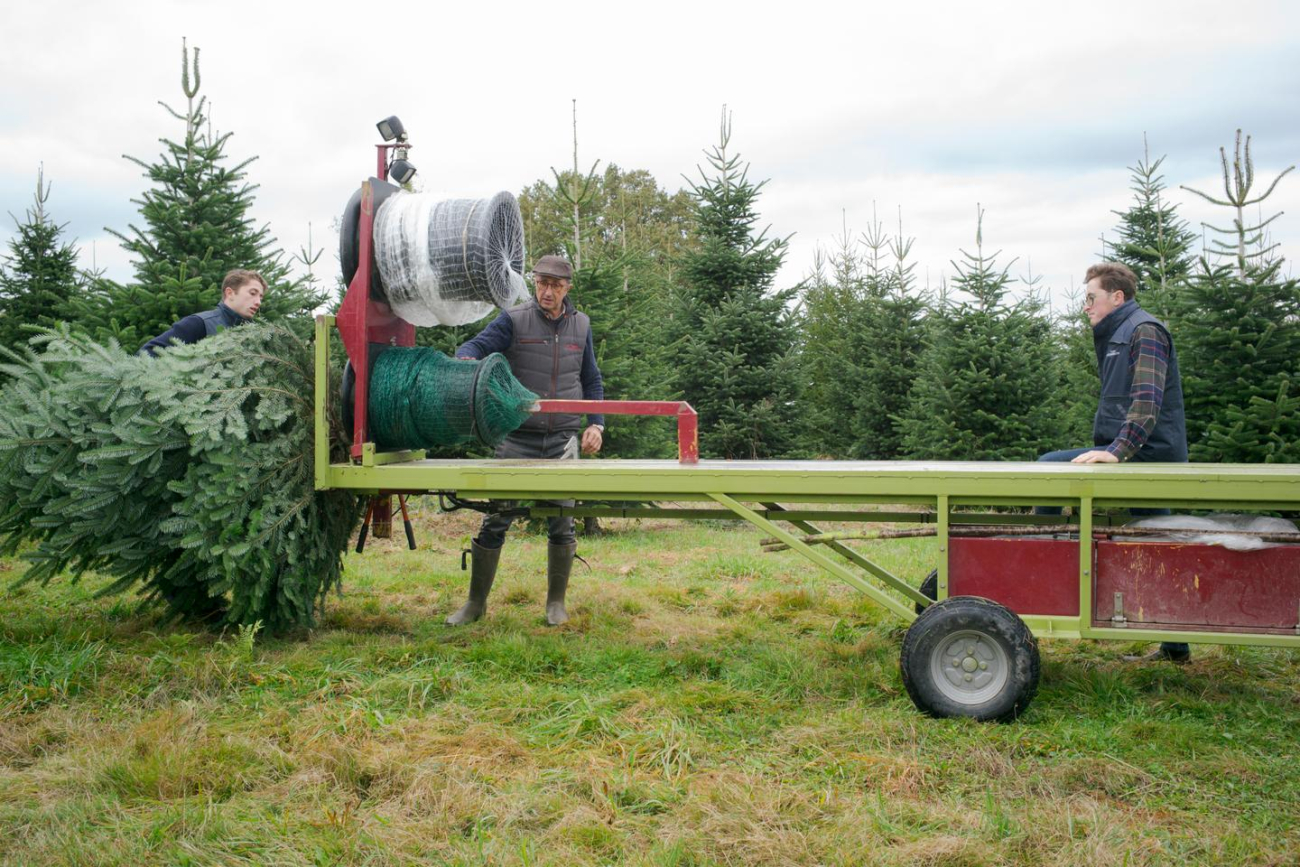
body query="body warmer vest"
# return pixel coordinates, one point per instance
(547, 358)
(220, 316)
(1112, 339)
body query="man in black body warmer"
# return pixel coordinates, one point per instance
(550, 349)
(241, 297)
(1140, 407)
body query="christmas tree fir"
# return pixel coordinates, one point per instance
(39, 278)
(196, 226)
(737, 366)
(986, 389)
(188, 476)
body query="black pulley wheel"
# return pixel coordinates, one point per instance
(350, 239)
(970, 657)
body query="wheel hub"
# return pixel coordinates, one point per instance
(969, 667)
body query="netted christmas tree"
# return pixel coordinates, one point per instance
(188, 476)
(39, 278)
(197, 226)
(987, 386)
(1238, 334)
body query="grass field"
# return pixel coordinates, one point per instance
(707, 704)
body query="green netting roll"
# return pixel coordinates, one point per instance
(420, 398)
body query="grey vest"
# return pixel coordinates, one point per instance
(1111, 339)
(220, 316)
(546, 357)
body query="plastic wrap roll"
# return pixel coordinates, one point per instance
(451, 262)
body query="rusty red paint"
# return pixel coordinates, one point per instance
(1198, 587)
(1029, 576)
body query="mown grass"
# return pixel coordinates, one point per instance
(707, 704)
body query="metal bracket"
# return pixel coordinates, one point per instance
(1119, 620)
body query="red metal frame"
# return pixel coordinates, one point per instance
(688, 422)
(1178, 586)
(363, 320)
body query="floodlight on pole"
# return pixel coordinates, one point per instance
(391, 128)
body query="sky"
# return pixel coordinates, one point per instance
(1030, 111)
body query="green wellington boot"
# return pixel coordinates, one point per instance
(559, 564)
(483, 570)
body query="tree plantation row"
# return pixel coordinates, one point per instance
(856, 361)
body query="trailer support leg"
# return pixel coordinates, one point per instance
(836, 569)
(857, 559)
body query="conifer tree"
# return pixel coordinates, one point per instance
(1239, 335)
(985, 390)
(736, 362)
(197, 225)
(827, 357)
(889, 339)
(1151, 238)
(39, 278)
(1077, 361)
(188, 476)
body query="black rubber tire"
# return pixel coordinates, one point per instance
(976, 632)
(929, 589)
(349, 243)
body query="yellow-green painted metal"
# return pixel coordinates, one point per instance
(938, 487)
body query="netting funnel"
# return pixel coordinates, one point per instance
(451, 262)
(421, 398)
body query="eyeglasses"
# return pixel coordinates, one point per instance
(554, 284)
(1092, 298)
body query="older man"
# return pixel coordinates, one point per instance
(1140, 410)
(550, 349)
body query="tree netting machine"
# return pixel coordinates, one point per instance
(971, 645)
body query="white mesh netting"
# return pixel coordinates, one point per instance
(1210, 530)
(452, 262)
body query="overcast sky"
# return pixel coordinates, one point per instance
(1028, 109)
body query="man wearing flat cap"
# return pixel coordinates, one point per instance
(550, 349)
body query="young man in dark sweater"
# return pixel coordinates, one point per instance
(241, 297)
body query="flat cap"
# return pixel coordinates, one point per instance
(553, 266)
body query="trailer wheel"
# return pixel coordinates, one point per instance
(929, 589)
(970, 657)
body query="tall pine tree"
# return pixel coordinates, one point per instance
(1238, 335)
(1152, 240)
(985, 389)
(889, 339)
(197, 226)
(40, 278)
(735, 365)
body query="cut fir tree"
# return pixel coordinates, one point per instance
(189, 475)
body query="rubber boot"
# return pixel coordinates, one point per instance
(483, 570)
(559, 564)
(1168, 651)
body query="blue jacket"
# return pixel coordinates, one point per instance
(194, 328)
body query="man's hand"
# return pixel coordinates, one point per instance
(591, 440)
(1099, 456)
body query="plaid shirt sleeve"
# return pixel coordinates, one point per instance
(1149, 358)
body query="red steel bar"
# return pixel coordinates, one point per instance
(688, 428)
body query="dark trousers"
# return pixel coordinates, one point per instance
(1071, 454)
(559, 446)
